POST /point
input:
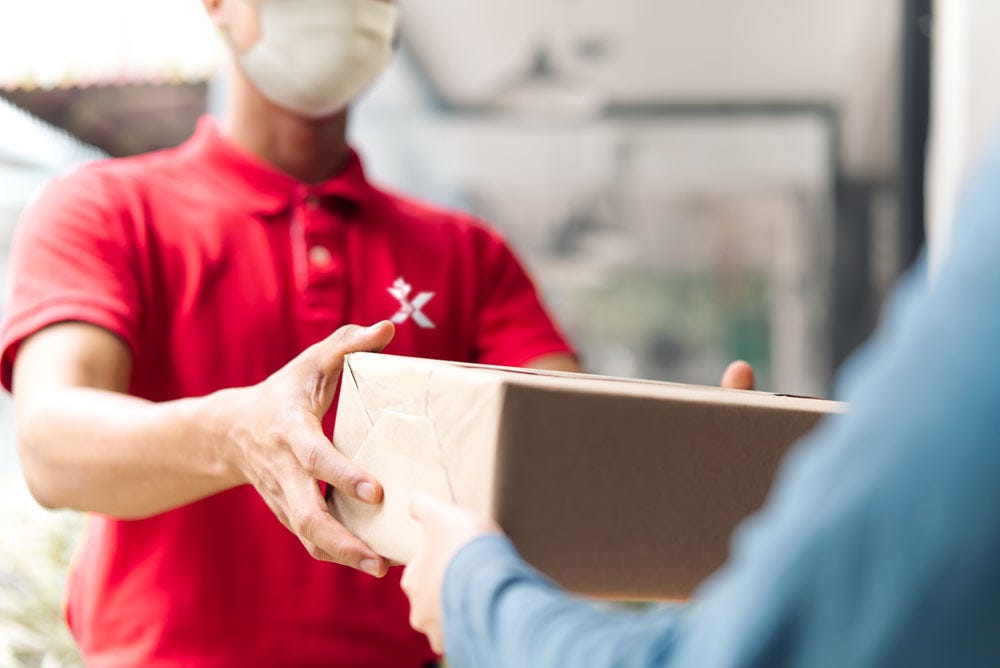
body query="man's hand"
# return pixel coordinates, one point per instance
(738, 376)
(446, 529)
(280, 448)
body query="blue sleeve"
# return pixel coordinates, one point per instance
(879, 546)
(500, 612)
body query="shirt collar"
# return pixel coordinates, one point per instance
(262, 188)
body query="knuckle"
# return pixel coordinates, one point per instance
(303, 520)
(266, 482)
(341, 550)
(311, 459)
(345, 551)
(316, 552)
(294, 426)
(343, 473)
(272, 487)
(346, 332)
(274, 435)
(318, 388)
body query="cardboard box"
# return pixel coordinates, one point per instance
(615, 488)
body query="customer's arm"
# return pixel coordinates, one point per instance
(86, 444)
(878, 547)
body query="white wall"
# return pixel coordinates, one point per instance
(639, 51)
(965, 108)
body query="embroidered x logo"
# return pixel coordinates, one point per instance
(410, 308)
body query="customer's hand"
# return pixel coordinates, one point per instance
(280, 448)
(738, 376)
(446, 529)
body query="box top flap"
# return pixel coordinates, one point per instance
(405, 368)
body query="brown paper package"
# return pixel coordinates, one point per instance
(615, 488)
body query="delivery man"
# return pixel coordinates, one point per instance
(878, 548)
(171, 338)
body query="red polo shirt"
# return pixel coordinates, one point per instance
(216, 270)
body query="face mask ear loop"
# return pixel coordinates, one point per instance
(227, 40)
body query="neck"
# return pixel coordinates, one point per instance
(310, 150)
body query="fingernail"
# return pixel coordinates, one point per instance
(376, 326)
(370, 566)
(366, 492)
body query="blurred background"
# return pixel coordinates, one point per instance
(688, 182)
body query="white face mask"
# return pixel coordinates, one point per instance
(315, 56)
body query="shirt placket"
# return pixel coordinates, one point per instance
(318, 242)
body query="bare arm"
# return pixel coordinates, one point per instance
(85, 444)
(556, 362)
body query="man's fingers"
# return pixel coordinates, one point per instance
(327, 539)
(299, 505)
(315, 552)
(738, 376)
(321, 461)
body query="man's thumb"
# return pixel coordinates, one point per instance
(329, 353)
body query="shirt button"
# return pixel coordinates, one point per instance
(319, 256)
(312, 201)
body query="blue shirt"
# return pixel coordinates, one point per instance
(879, 546)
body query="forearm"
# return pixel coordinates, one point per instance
(107, 452)
(557, 362)
(500, 612)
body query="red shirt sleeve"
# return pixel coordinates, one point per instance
(513, 325)
(73, 258)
